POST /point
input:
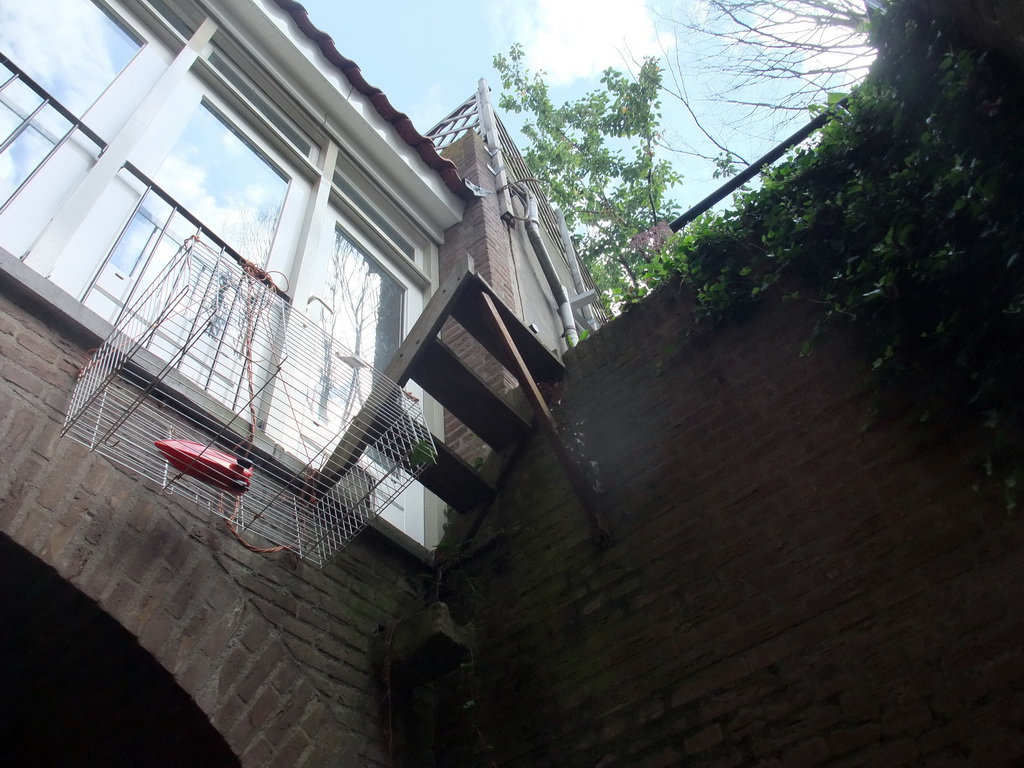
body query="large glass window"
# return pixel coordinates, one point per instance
(215, 175)
(72, 48)
(364, 301)
(227, 183)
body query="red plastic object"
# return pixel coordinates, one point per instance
(209, 465)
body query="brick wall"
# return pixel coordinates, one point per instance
(793, 579)
(275, 652)
(484, 237)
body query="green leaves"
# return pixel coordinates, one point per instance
(901, 220)
(422, 454)
(598, 159)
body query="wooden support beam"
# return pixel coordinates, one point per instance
(598, 525)
(545, 366)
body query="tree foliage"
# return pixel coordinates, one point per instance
(597, 158)
(901, 221)
(752, 62)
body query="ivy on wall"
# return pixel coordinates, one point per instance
(904, 218)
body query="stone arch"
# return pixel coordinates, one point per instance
(276, 654)
(79, 689)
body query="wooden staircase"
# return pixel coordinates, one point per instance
(425, 359)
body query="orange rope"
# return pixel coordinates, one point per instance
(230, 522)
(250, 335)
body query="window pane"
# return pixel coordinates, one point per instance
(366, 303)
(73, 48)
(371, 213)
(139, 236)
(32, 135)
(290, 132)
(224, 181)
(20, 159)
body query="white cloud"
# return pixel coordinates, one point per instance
(577, 39)
(67, 45)
(429, 109)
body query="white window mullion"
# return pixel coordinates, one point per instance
(303, 276)
(44, 254)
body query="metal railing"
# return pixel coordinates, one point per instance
(756, 167)
(33, 121)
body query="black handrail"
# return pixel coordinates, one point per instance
(53, 103)
(756, 167)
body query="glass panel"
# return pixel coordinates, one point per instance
(21, 158)
(360, 312)
(223, 180)
(186, 28)
(20, 100)
(139, 235)
(371, 213)
(272, 114)
(73, 48)
(366, 303)
(32, 135)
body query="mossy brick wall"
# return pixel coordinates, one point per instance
(275, 652)
(792, 580)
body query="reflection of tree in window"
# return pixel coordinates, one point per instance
(366, 315)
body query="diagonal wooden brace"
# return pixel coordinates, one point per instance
(514, 362)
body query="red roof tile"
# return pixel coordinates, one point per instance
(446, 169)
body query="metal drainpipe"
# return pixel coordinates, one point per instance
(557, 289)
(574, 267)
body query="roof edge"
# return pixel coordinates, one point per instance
(424, 147)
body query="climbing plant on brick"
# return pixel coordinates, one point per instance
(902, 220)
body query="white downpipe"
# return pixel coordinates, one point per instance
(574, 267)
(569, 332)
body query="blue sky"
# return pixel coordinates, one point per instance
(427, 57)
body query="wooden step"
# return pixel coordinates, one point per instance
(466, 396)
(428, 326)
(469, 312)
(455, 482)
(423, 357)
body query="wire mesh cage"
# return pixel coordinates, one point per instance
(213, 387)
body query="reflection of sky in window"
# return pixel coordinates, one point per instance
(70, 47)
(226, 183)
(140, 234)
(30, 141)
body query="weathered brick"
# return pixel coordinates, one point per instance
(849, 739)
(289, 753)
(807, 755)
(706, 739)
(262, 668)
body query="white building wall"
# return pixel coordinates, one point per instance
(66, 220)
